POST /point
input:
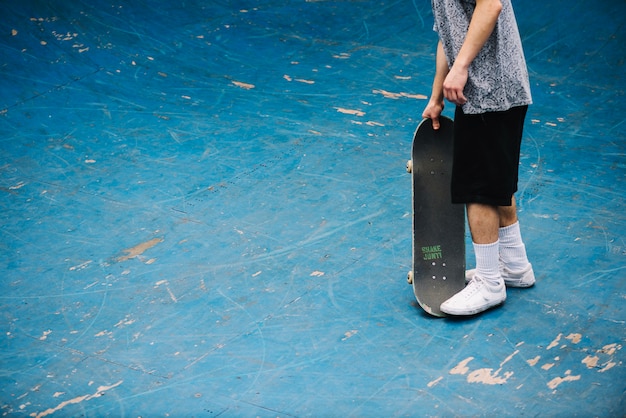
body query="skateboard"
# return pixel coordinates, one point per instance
(438, 225)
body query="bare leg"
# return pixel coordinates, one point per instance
(484, 221)
(497, 225)
(508, 214)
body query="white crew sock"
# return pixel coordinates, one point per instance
(488, 262)
(512, 248)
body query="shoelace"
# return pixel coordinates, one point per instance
(473, 286)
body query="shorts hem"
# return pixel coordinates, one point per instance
(484, 200)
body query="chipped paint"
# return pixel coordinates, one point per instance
(81, 266)
(350, 111)
(138, 250)
(461, 368)
(99, 392)
(609, 365)
(435, 382)
(125, 321)
(506, 360)
(591, 361)
(485, 375)
(488, 377)
(246, 86)
(350, 334)
(17, 186)
(395, 96)
(533, 361)
(554, 342)
(610, 349)
(554, 383)
(574, 338)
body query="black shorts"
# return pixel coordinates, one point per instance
(486, 156)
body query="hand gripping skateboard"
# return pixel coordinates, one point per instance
(438, 225)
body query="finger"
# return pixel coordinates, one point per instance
(452, 96)
(458, 97)
(435, 123)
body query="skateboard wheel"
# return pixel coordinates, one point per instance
(409, 277)
(409, 166)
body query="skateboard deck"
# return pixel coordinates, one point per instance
(438, 225)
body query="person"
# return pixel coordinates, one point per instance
(480, 68)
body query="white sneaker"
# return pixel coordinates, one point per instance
(477, 296)
(525, 278)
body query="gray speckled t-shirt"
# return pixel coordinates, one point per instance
(498, 77)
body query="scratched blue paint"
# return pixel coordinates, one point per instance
(205, 212)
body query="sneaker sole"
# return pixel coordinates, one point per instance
(461, 312)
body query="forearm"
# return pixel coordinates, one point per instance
(481, 26)
(435, 104)
(441, 71)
